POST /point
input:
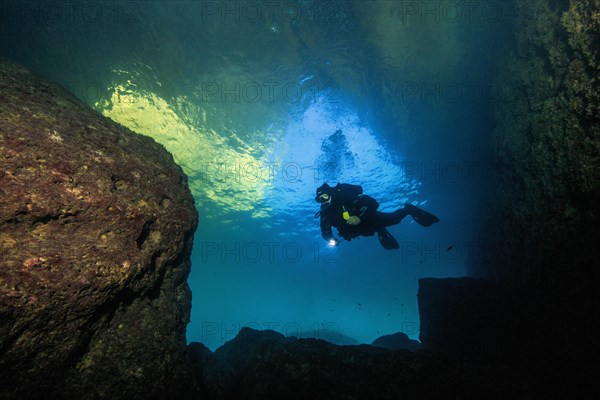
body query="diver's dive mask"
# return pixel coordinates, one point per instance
(323, 193)
(323, 198)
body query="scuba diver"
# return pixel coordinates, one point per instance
(353, 213)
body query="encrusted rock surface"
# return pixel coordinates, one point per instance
(96, 228)
(544, 192)
(545, 188)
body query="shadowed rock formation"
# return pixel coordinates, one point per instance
(544, 194)
(96, 228)
(267, 365)
(467, 318)
(397, 341)
(545, 187)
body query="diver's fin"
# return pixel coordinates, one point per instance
(421, 216)
(387, 240)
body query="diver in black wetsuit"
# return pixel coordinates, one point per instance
(353, 213)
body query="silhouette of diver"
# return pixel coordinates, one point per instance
(353, 214)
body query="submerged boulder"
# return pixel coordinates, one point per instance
(96, 229)
(267, 365)
(397, 341)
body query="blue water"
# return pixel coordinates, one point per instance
(246, 96)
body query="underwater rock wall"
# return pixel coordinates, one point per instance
(96, 229)
(544, 192)
(545, 189)
(537, 313)
(467, 319)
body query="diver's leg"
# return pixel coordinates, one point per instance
(393, 218)
(387, 240)
(422, 217)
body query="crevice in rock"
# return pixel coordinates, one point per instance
(105, 311)
(117, 183)
(22, 215)
(154, 291)
(146, 229)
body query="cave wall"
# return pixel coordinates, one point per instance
(544, 189)
(537, 309)
(96, 230)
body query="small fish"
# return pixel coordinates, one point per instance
(449, 248)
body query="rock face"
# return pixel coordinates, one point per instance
(545, 190)
(501, 328)
(544, 208)
(466, 318)
(96, 229)
(267, 365)
(397, 341)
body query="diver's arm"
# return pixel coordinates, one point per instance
(326, 230)
(327, 234)
(353, 220)
(364, 207)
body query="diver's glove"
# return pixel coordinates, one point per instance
(353, 220)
